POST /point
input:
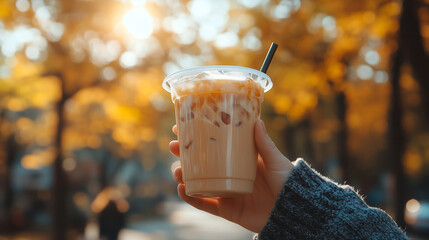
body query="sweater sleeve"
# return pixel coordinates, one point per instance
(311, 206)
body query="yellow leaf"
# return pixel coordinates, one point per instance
(307, 99)
(125, 137)
(25, 69)
(5, 9)
(391, 9)
(16, 104)
(412, 162)
(147, 134)
(123, 113)
(282, 104)
(335, 71)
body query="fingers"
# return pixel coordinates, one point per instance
(274, 160)
(209, 205)
(174, 148)
(205, 204)
(177, 175)
(174, 145)
(174, 129)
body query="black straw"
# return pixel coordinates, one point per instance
(269, 57)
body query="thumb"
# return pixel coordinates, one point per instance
(274, 160)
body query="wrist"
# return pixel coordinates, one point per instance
(280, 177)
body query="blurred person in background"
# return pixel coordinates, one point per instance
(111, 221)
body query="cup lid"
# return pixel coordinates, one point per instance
(218, 72)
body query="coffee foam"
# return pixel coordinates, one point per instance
(204, 84)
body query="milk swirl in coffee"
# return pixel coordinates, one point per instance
(215, 116)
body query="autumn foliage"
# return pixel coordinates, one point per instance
(80, 87)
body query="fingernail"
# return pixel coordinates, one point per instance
(181, 189)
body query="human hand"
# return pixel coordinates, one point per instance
(250, 211)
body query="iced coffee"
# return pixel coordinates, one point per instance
(216, 111)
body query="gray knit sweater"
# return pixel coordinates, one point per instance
(311, 206)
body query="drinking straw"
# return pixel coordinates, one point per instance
(269, 57)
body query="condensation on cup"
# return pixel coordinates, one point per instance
(216, 111)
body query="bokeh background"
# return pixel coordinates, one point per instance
(85, 123)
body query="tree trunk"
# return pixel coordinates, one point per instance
(289, 138)
(308, 143)
(11, 151)
(411, 49)
(396, 135)
(342, 136)
(6, 220)
(397, 139)
(297, 138)
(60, 188)
(414, 50)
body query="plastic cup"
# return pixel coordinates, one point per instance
(216, 111)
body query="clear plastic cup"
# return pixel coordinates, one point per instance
(216, 111)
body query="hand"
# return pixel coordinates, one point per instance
(250, 211)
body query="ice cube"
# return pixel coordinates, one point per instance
(208, 113)
(212, 103)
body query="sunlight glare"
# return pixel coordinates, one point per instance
(329, 23)
(5, 71)
(413, 206)
(43, 14)
(69, 164)
(372, 57)
(138, 2)
(250, 3)
(200, 9)
(138, 22)
(228, 39)
(22, 5)
(285, 8)
(365, 72)
(108, 73)
(128, 59)
(381, 76)
(251, 39)
(32, 52)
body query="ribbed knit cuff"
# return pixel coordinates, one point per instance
(311, 206)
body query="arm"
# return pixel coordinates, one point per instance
(311, 206)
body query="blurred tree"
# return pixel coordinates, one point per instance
(52, 19)
(410, 50)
